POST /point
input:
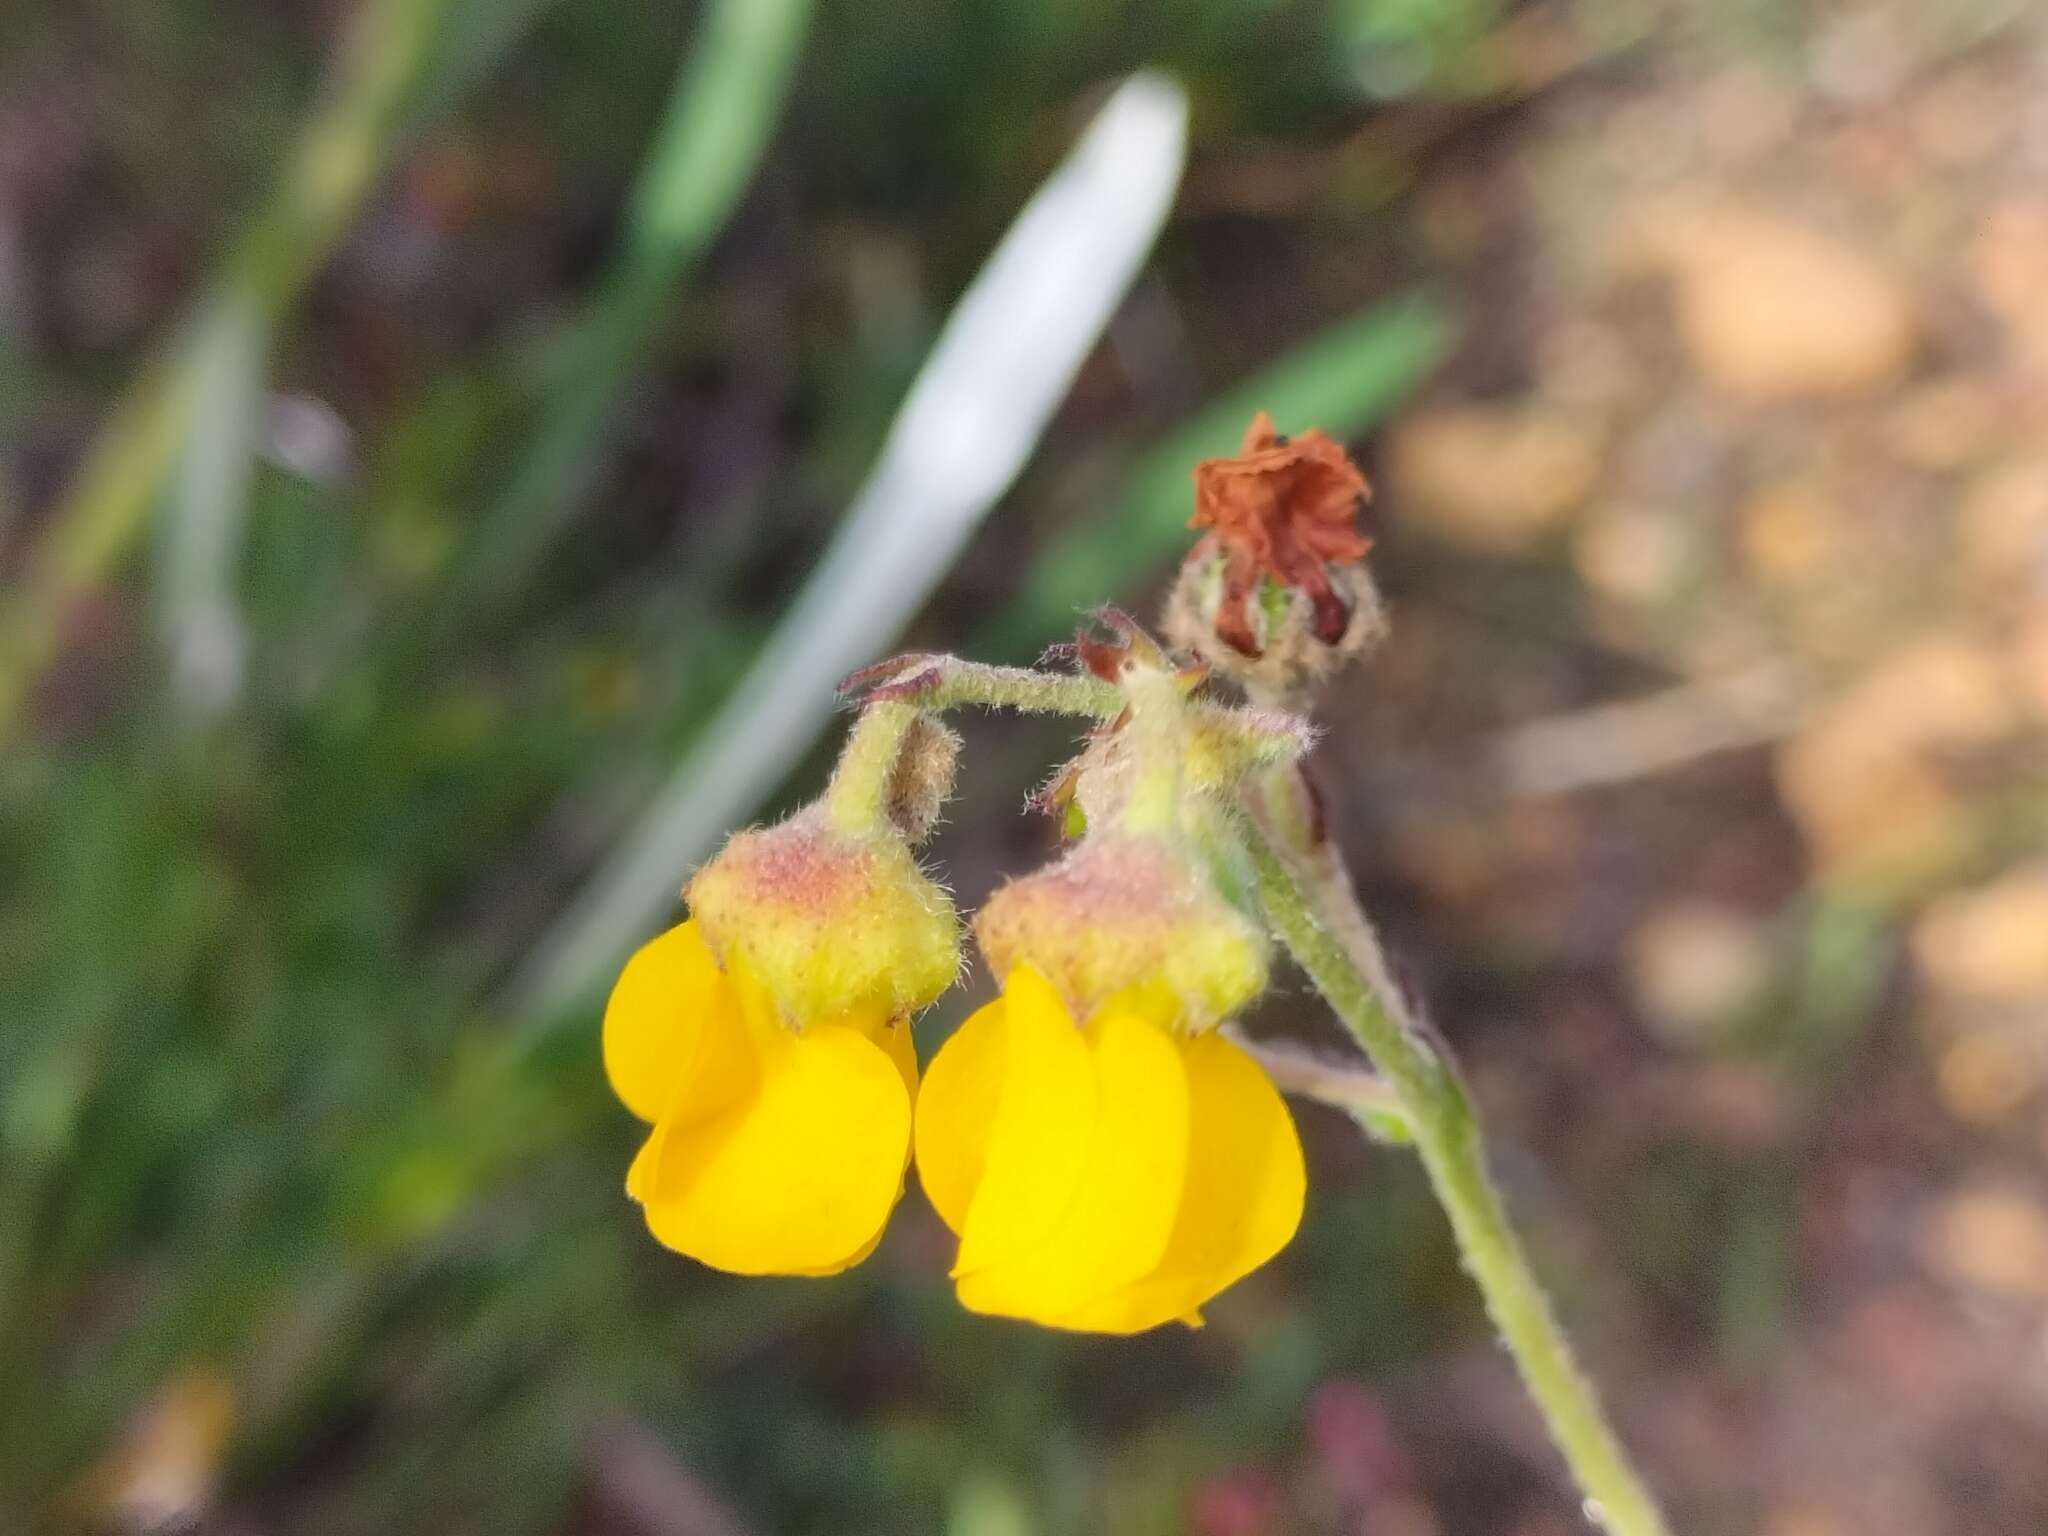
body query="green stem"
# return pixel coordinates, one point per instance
(857, 799)
(1309, 900)
(935, 682)
(1156, 738)
(1358, 1091)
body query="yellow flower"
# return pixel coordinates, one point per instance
(773, 1151)
(767, 1041)
(1108, 1177)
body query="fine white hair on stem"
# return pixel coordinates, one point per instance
(1001, 366)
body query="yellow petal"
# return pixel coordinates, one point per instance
(640, 1174)
(724, 1074)
(858, 1256)
(1038, 1136)
(956, 1108)
(1117, 1228)
(800, 1174)
(1243, 1198)
(893, 1036)
(654, 1016)
(757, 1005)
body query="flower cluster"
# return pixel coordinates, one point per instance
(1108, 1159)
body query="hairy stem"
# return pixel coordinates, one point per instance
(937, 682)
(1309, 900)
(1357, 1091)
(858, 797)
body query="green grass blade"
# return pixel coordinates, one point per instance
(346, 144)
(199, 538)
(721, 114)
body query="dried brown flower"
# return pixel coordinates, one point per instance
(1286, 508)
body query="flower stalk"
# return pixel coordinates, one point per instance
(1359, 1091)
(1308, 899)
(858, 797)
(936, 682)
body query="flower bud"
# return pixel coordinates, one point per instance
(1129, 917)
(828, 919)
(921, 778)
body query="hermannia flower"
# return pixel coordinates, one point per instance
(1109, 1161)
(767, 1041)
(1276, 594)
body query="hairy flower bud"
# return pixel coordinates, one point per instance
(922, 777)
(827, 919)
(1130, 917)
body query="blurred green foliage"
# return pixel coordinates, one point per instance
(256, 1111)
